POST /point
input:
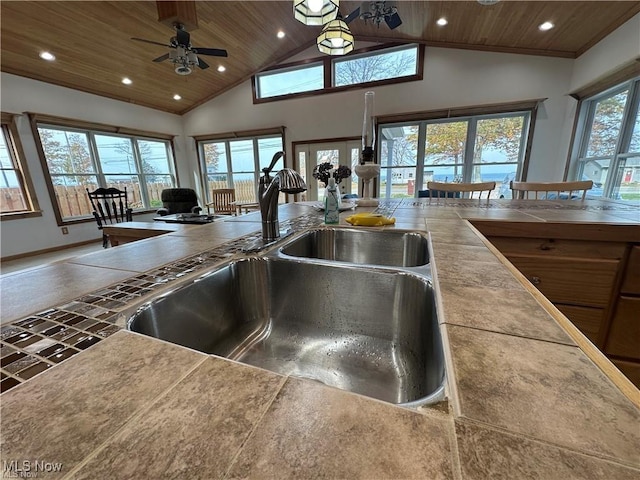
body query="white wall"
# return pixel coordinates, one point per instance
(451, 78)
(616, 49)
(25, 95)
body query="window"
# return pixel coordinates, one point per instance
(608, 143)
(238, 162)
(80, 159)
(289, 81)
(17, 197)
(377, 65)
(477, 148)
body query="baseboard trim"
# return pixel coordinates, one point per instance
(48, 250)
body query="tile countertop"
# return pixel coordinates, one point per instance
(524, 400)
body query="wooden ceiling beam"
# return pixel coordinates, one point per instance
(171, 12)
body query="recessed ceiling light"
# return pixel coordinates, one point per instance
(177, 97)
(221, 68)
(442, 21)
(280, 34)
(47, 56)
(545, 26)
(127, 81)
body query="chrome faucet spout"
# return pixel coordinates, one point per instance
(286, 180)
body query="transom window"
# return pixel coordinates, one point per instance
(79, 159)
(465, 149)
(237, 163)
(608, 144)
(17, 197)
(325, 75)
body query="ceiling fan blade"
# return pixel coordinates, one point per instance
(213, 52)
(352, 16)
(202, 64)
(150, 41)
(161, 58)
(182, 37)
(393, 21)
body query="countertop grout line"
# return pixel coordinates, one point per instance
(531, 438)
(255, 427)
(133, 418)
(525, 337)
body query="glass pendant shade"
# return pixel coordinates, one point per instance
(315, 12)
(336, 38)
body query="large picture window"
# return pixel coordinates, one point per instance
(607, 149)
(17, 196)
(237, 162)
(80, 159)
(476, 148)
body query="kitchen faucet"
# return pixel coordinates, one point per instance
(286, 180)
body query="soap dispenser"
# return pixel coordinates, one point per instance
(331, 203)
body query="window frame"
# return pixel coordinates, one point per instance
(227, 138)
(90, 130)
(8, 123)
(585, 115)
(328, 66)
(471, 114)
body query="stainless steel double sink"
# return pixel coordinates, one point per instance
(348, 307)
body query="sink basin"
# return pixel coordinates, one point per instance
(358, 329)
(396, 248)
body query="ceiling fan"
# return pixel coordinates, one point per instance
(182, 54)
(377, 12)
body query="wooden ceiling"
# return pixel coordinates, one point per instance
(94, 51)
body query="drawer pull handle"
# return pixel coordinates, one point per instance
(536, 280)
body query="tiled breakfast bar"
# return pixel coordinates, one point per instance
(527, 395)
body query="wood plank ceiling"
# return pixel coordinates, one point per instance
(94, 51)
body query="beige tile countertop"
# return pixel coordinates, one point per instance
(524, 399)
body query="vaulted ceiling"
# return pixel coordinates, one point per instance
(94, 51)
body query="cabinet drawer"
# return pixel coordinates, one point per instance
(631, 283)
(559, 247)
(587, 319)
(631, 370)
(569, 281)
(624, 334)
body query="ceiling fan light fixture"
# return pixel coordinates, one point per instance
(315, 12)
(488, 2)
(183, 70)
(336, 38)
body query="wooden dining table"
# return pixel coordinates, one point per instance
(247, 205)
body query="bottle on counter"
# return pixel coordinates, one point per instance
(331, 203)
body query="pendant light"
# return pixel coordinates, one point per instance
(315, 12)
(335, 38)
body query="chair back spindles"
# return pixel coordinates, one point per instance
(456, 190)
(541, 190)
(105, 203)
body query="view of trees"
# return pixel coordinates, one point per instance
(446, 142)
(375, 67)
(605, 129)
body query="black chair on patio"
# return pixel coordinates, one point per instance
(178, 200)
(109, 206)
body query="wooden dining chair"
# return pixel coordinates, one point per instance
(457, 190)
(222, 201)
(550, 190)
(109, 206)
